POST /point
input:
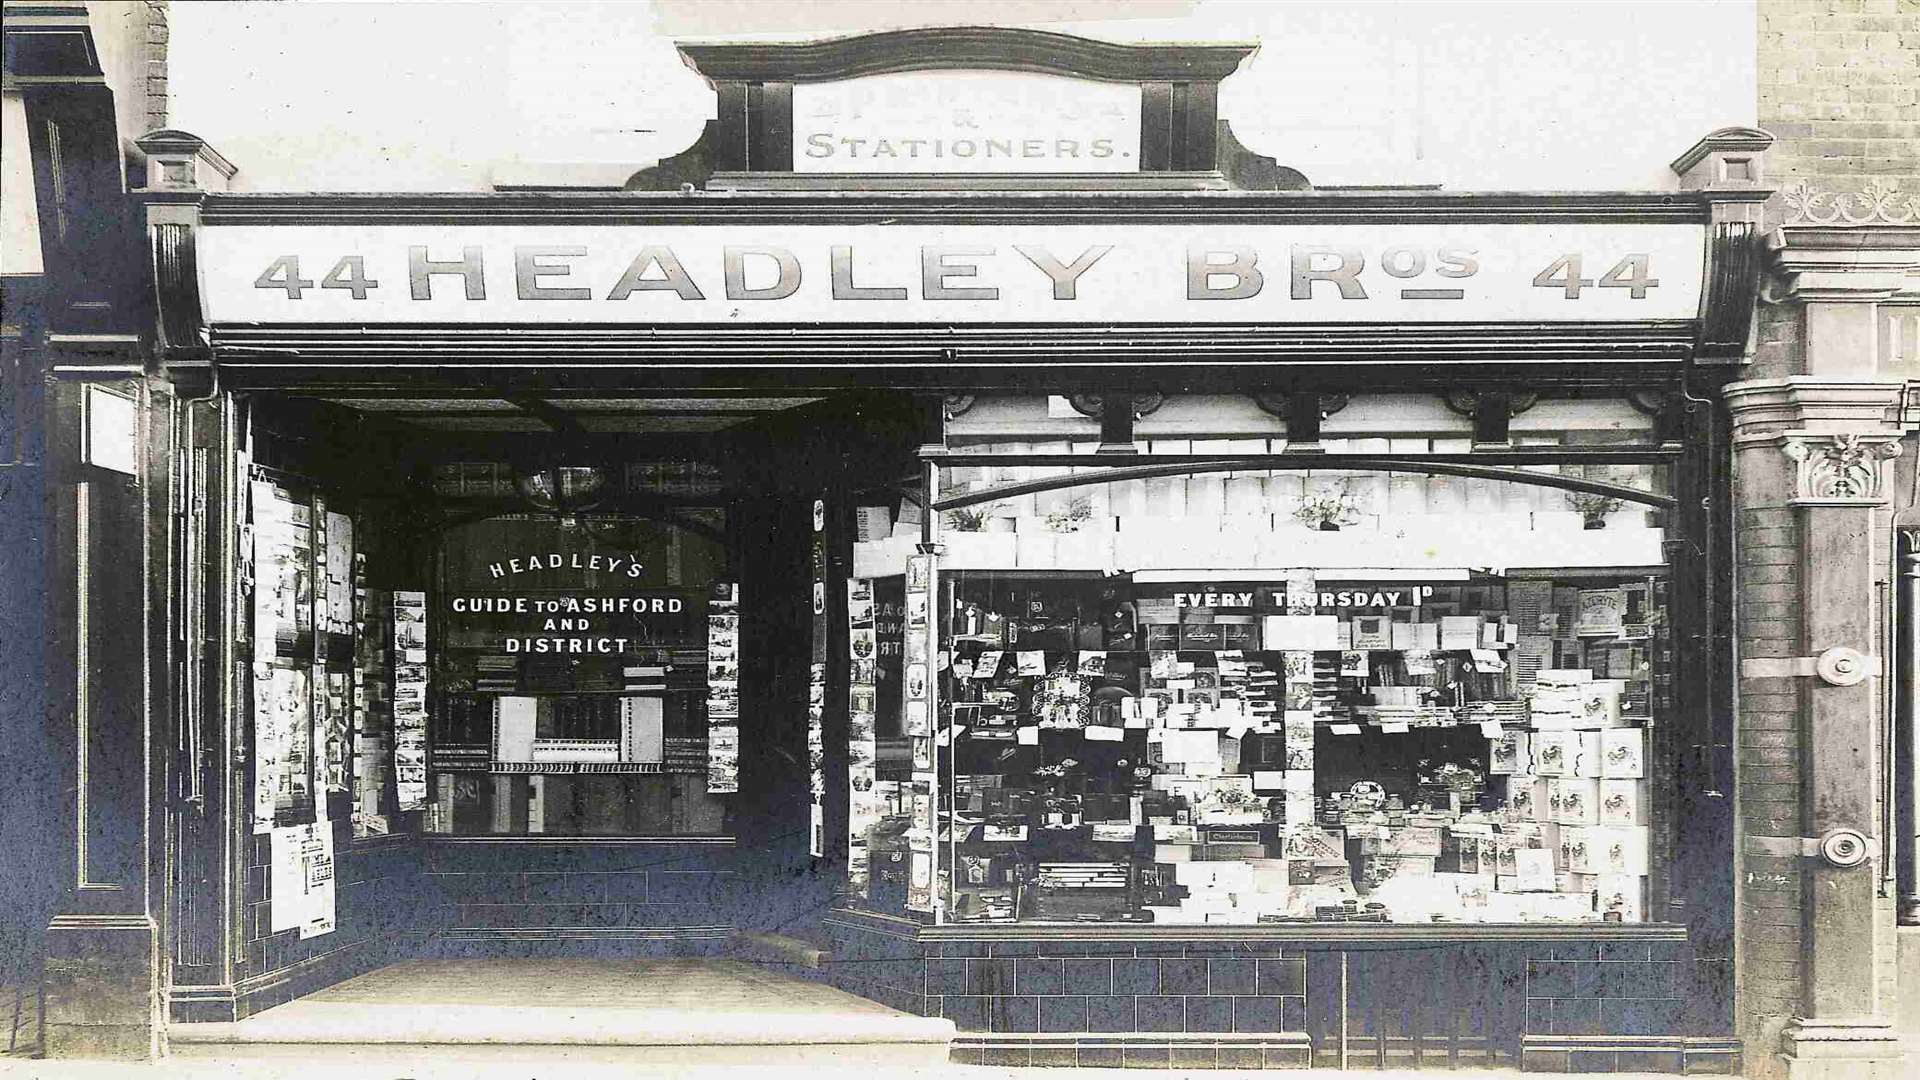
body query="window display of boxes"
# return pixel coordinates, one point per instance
(1555, 753)
(1623, 802)
(1574, 800)
(1509, 754)
(1602, 849)
(1623, 753)
(1622, 896)
(1586, 759)
(1532, 871)
(1527, 798)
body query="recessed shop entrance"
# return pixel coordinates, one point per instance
(513, 677)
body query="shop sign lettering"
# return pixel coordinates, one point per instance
(1409, 596)
(965, 122)
(953, 274)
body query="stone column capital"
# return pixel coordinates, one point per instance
(1840, 469)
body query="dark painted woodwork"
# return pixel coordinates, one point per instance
(1092, 205)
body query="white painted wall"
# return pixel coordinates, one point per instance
(333, 95)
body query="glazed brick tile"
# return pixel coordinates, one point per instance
(1110, 1014)
(1194, 1057)
(1238, 1057)
(1136, 976)
(1256, 1014)
(1578, 1016)
(1641, 1016)
(1281, 978)
(1183, 976)
(1019, 1012)
(1146, 1057)
(1039, 976)
(1063, 1014)
(989, 976)
(1548, 979)
(968, 1013)
(1232, 977)
(1162, 1014)
(1053, 1057)
(946, 976)
(1088, 976)
(1209, 1014)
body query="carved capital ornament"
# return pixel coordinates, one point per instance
(1840, 470)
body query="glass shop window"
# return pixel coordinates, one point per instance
(574, 663)
(1285, 721)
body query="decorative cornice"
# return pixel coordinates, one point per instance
(953, 47)
(1845, 469)
(1823, 405)
(1876, 203)
(1860, 262)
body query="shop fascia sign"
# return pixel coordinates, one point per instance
(952, 274)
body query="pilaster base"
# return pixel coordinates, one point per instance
(1842, 1050)
(103, 987)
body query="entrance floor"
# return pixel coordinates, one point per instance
(638, 1011)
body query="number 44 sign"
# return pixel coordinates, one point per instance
(1629, 273)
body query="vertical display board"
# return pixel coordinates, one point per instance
(817, 687)
(410, 698)
(864, 807)
(283, 649)
(916, 721)
(723, 689)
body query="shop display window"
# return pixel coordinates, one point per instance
(1297, 745)
(584, 678)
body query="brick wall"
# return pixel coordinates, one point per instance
(1839, 86)
(156, 70)
(1767, 573)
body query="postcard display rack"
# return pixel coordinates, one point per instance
(1129, 748)
(326, 683)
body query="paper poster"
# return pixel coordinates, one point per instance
(300, 885)
(282, 747)
(283, 593)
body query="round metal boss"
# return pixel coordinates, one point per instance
(1844, 848)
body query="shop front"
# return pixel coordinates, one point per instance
(1092, 585)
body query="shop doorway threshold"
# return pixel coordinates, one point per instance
(659, 1011)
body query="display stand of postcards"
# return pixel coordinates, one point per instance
(864, 808)
(723, 689)
(333, 650)
(916, 716)
(372, 703)
(281, 568)
(817, 689)
(410, 702)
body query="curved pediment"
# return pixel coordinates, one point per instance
(996, 48)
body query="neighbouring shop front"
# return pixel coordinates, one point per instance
(1100, 588)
